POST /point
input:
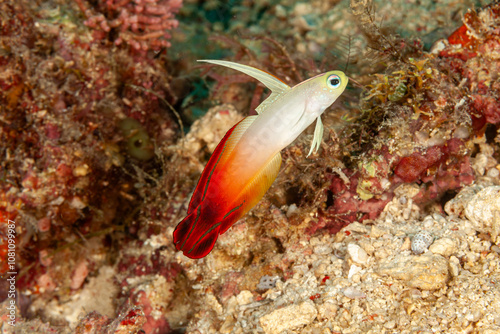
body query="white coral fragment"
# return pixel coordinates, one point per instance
(421, 242)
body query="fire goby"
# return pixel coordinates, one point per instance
(248, 159)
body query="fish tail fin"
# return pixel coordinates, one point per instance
(193, 238)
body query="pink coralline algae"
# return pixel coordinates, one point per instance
(142, 24)
(473, 55)
(130, 320)
(153, 297)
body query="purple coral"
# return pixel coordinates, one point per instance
(142, 24)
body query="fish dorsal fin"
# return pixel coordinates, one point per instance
(235, 136)
(277, 87)
(318, 137)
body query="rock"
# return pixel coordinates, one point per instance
(381, 253)
(484, 211)
(327, 310)
(406, 245)
(357, 254)
(322, 249)
(454, 266)
(79, 275)
(390, 324)
(493, 173)
(426, 272)
(244, 297)
(456, 206)
(353, 270)
(267, 282)
(356, 227)
(289, 317)
(367, 245)
(408, 190)
(377, 232)
(210, 129)
(444, 246)
(227, 325)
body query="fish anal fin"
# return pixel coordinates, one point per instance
(253, 192)
(270, 100)
(205, 246)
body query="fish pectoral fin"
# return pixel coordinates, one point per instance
(270, 100)
(276, 86)
(318, 137)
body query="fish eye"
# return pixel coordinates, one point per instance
(333, 81)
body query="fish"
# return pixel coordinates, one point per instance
(247, 160)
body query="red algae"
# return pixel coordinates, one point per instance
(432, 118)
(410, 168)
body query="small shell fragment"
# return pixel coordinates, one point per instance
(353, 293)
(421, 242)
(267, 282)
(358, 254)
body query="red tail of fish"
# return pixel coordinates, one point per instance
(197, 233)
(193, 237)
(219, 201)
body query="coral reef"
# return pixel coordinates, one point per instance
(391, 226)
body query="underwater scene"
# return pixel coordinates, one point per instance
(267, 166)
